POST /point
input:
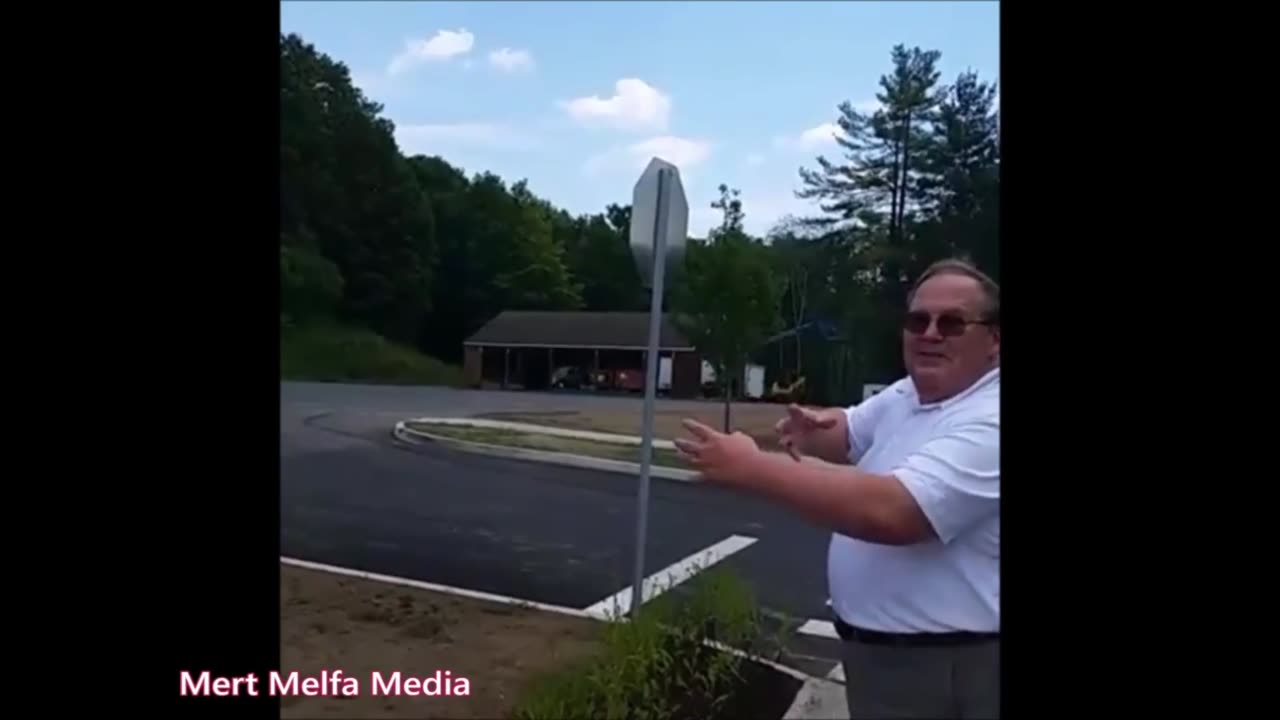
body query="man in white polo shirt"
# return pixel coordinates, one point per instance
(914, 561)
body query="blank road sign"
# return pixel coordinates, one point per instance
(658, 205)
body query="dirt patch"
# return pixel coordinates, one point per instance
(552, 443)
(331, 622)
(754, 419)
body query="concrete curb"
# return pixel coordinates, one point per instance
(405, 434)
(546, 430)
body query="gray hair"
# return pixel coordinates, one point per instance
(956, 266)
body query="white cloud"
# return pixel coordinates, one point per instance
(814, 138)
(432, 139)
(824, 134)
(445, 44)
(635, 106)
(684, 153)
(508, 60)
(867, 106)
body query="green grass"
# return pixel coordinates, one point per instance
(553, 443)
(658, 666)
(329, 353)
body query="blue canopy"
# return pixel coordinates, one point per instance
(822, 329)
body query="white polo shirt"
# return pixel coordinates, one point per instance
(947, 454)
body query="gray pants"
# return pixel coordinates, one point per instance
(885, 682)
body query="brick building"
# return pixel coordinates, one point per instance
(523, 349)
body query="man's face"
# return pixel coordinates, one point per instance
(944, 350)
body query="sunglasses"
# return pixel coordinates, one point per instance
(949, 324)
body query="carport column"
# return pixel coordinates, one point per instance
(596, 367)
(551, 364)
(506, 367)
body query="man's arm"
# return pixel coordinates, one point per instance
(949, 484)
(868, 506)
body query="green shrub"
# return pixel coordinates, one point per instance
(658, 666)
(331, 353)
(310, 284)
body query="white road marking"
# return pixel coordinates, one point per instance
(405, 582)
(619, 604)
(837, 673)
(819, 628)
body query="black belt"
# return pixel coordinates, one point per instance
(849, 633)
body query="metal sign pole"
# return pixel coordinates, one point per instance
(650, 390)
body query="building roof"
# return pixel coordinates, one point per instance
(604, 330)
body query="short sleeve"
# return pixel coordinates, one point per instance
(955, 477)
(861, 421)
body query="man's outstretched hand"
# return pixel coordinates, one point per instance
(800, 424)
(718, 457)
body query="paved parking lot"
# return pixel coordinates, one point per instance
(353, 497)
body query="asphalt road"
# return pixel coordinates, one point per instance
(352, 496)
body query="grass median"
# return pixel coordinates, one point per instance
(551, 443)
(754, 419)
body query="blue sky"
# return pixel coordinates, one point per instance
(577, 96)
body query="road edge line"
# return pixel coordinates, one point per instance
(619, 603)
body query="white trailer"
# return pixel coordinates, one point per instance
(753, 381)
(664, 373)
(752, 384)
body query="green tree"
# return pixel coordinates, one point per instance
(310, 285)
(879, 181)
(348, 194)
(919, 180)
(534, 275)
(461, 282)
(727, 303)
(419, 250)
(797, 260)
(600, 259)
(964, 161)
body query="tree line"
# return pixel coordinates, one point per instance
(414, 249)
